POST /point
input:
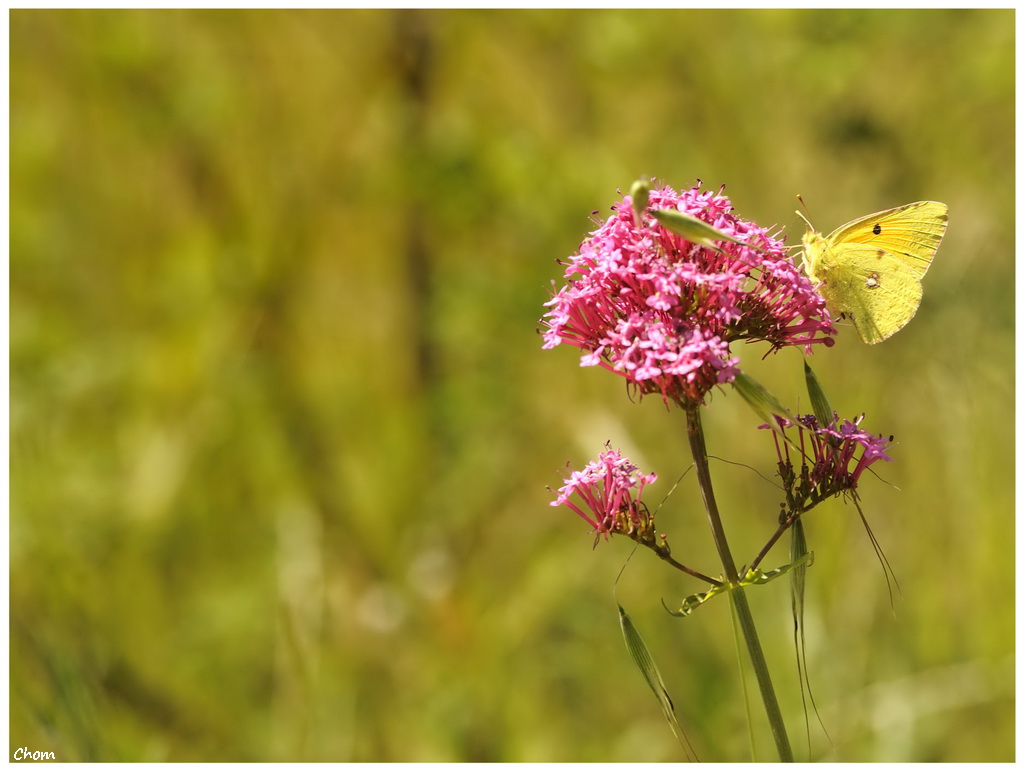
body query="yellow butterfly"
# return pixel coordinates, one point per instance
(870, 269)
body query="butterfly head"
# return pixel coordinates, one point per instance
(815, 246)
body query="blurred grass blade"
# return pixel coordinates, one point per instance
(692, 229)
(741, 663)
(645, 663)
(819, 402)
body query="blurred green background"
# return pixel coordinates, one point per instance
(281, 424)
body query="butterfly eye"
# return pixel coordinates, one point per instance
(877, 229)
(872, 280)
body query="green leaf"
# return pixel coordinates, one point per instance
(754, 576)
(645, 664)
(761, 401)
(692, 229)
(822, 409)
(692, 602)
(767, 407)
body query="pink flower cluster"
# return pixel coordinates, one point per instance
(833, 464)
(661, 311)
(605, 489)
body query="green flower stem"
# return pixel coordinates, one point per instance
(663, 552)
(784, 526)
(771, 704)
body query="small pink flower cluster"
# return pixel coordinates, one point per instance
(834, 465)
(646, 303)
(606, 490)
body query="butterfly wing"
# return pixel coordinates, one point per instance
(910, 233)
(875, 288)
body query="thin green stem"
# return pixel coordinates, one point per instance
(783, 527)
(663, 552)
(771, 704)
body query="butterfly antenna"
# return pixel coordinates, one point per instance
(801, 214)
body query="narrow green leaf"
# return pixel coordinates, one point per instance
(819, 402)
(761, 401)
(798, 547)
(652, 675)
(797, 550)
(692, 602)
(763, 577)
(764, 403)
(692, 229)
